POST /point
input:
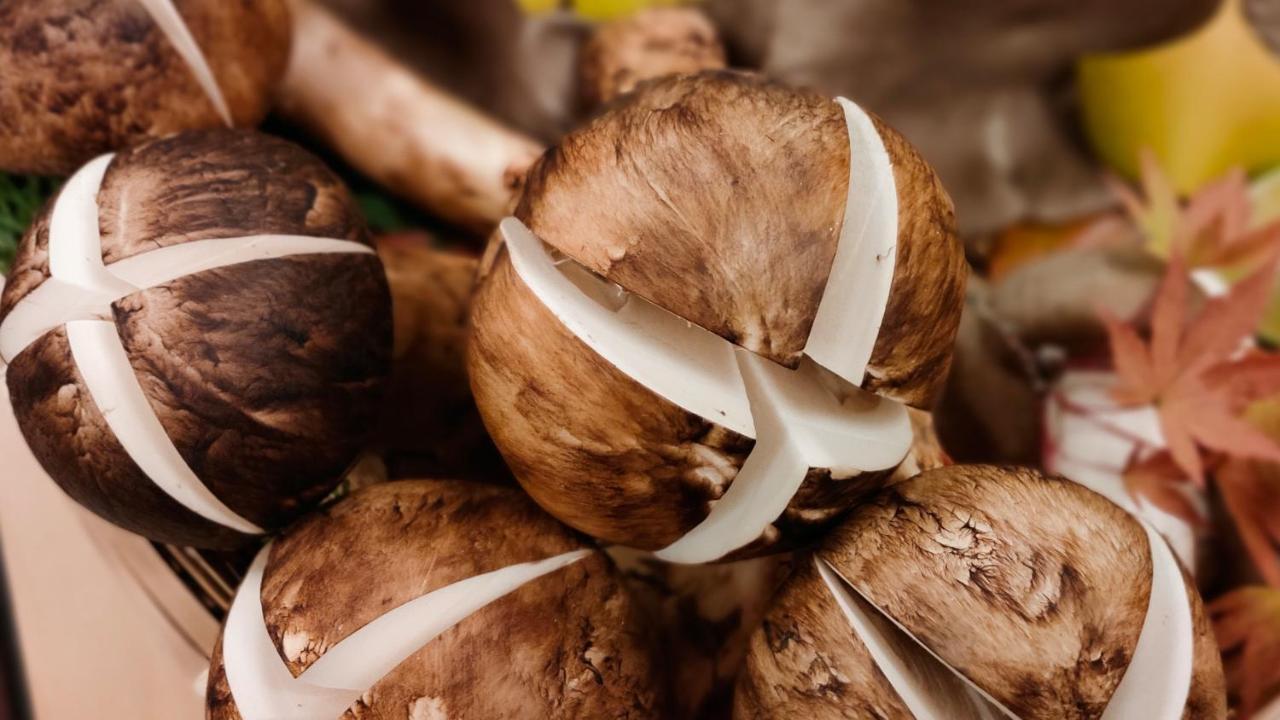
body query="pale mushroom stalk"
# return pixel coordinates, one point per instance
(392, 125)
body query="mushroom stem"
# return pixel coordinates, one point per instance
(397, 128)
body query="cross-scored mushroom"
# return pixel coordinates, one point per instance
(197, 333)
(433, 599)
(984, 592)
(708, 313)
(82, 78)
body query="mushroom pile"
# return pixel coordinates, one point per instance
(712, 331)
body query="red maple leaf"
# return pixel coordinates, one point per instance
(1251, 493)
(1246, 622)
(1197, 372)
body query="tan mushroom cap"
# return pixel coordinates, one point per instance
(720, 197)
(83, 78)
(565, 645)
(600, 451)
(1031, 588)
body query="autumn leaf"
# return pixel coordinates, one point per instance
(1246, 623)
(1157, 211)
(1212, 229)
(1195, 372)
(1160, 480)
(1251, 493)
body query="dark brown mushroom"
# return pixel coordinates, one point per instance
(562, 640)
(82, 78)
(198, 333)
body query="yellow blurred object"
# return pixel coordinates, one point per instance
(595, 9)
(1205, 103)
(1264, 199)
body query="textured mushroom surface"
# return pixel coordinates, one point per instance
(721, 196)
(1032, 590)
(256, 338)
(83, 77)
(703, 617)
(720, 364)
(567, 644)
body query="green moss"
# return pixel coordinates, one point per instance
(20, 198)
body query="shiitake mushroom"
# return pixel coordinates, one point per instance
(197, 333)
(434, 599)
(705, 322)
(980, 592)
(86, 77)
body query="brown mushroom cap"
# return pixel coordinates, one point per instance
(82, 78)
(600, 451)
(1031, 588)
(566, 645)
(266, 375)
(721, 196)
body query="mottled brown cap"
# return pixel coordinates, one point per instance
(266, 375)
(602, 452)
(569, 644)
(84, 77)
(1033, 588)
(720, 197)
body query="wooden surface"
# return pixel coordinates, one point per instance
(94, 643)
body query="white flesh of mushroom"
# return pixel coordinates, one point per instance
(170, 22)
(797, 420)
(857, 292)
(78, 295)
(263, 686)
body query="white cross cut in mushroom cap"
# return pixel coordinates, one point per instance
(264, 689)
(798, 423)
(78, 295)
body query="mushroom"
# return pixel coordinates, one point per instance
(702, 617)
(397, 128)
(981, 592)
(197, 333)
(704, 323)
(81, 78)
(429, 421)
(652, 43)
(433, 599)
